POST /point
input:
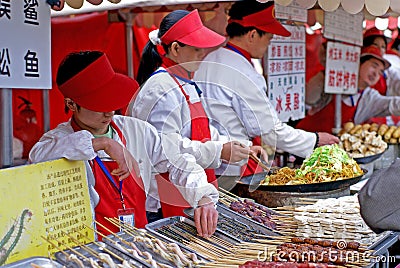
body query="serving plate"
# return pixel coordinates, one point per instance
(368, 159)
(300, 188)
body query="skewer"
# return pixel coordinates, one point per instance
(79, 243)
(259, 162)
(105, 249)
(108, 230)
(54, 245)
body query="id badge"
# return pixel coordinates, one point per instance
(126, 217)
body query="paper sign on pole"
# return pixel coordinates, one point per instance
(25, 44)
(342, 64)
(285, 67)
(44, 199)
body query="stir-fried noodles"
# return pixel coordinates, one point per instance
(327, 163)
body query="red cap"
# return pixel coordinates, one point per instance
(373, 32)
(191, 31)
(263, 20)
(376, 53)
(98, 88)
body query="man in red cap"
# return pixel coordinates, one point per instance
(235, 93)
(363, 105)
(114, 146)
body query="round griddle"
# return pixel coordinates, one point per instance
(300, 188)
(367, 159)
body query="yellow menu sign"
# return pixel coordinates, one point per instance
(47, 200)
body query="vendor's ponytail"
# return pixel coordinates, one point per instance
(151, 59)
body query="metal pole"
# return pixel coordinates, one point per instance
(46, 110)
(6, 129)
(129, 43)
(338, 114)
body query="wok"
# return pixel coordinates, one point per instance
(367, 159)
(300, 188)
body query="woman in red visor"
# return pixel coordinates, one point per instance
(172, 102)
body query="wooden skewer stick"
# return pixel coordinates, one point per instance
(105, 249)
(259, 162)
(79, 243)
(117, 236)
(54, 245)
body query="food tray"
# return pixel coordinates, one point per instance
(152, 227)
(142, 247)
(250, 223)
(300, 188)
(221, 208)
(60, 256)
(39, 261)
(382, 237)
(368, 159)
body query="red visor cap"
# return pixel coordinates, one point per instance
(376, 53)
(264, 20)
(190, 31)
(98, 88)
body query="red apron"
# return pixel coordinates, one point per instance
(324, 120)
(252, 166)
(134, 196)
(172, 201)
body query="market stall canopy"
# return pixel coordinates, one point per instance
(81, 6)
(373, 7)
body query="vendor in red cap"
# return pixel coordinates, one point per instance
(363, 105)
(171, 101)
(120, 152)
(235, 93)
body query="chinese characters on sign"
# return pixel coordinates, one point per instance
(56, 195)
(25, 56)
(286, 68)
(340, 25)
(342, 63)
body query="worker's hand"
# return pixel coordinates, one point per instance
(327, 139)
(117, 152)
(258, 150)
(234, 151)
(205, 218)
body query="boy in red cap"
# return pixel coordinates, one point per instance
(363, 105)
(114, 146)
(171, 102)
(235, 93)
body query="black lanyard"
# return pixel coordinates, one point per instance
(111, 180)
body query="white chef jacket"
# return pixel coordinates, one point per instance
(154, 153)
(161, 103)
(372, 104)
(236, 100)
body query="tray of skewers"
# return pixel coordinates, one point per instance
(238, 225)
(96, 254)
(146, 246)
(182, 231)
(254, 212)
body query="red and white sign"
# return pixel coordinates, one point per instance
(342, 63)
(285, 70)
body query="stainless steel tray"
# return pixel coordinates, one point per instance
(154, 226)
(40, 261)
(221, 208)
(382, 237)
(142, 247)
(62, 258)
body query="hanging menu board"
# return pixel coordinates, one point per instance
(342, 64)
(285, 67)
(342, 26)
(25, 45)
(293, 12)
